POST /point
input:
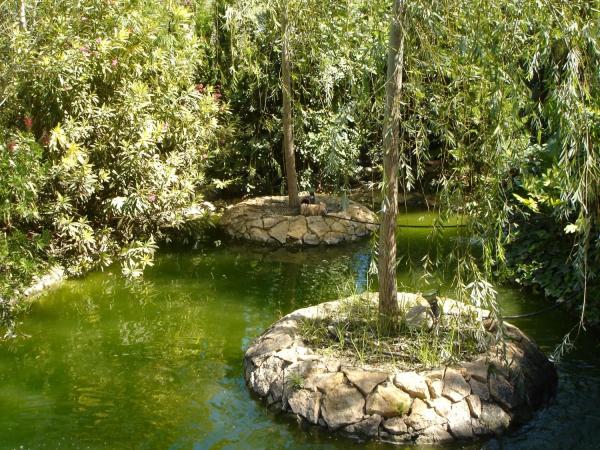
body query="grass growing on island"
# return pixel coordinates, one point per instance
(352, 332)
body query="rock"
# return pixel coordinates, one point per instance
(394, 438)
(442, 406)
(341, 406)
(288, 354)
(255, 223)
(479, 389)
(478, 369)
(305, 369)
(388, 401)
(338, 227)
(412, 383)
(272, 344)
(455, 386)
(419, 317)
(297, 228)
(421, 416)
(395, 425)
(333, 238)
(493, 418)
(368, 427)
(262, 378)
(311, 239)
(258, 234)
(435, 388)
(502, 391)
(305, 403)
(317, 226)
(365, 380)
(433, 434)
(271, 221)
(279, 232)
(474, 403)
(324, 382)
(459, 421)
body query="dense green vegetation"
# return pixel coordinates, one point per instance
(117, 116)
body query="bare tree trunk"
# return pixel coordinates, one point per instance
(388, 304)
(22, 16)
(288, 138)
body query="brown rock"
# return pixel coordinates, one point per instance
(317, 226)
(297, 228)
(478, 369)
(279, 232)
(324, 382)
(271, 221)
(388, 401)
(502, 391)
(412, 383)
(479, 389)
(395, 425)
(459, 421)
(365, 380)
(258, 234)
(493, 419)
(311, 239)
(341, 406)
(455, 386)
(442, 406)
(434, 434)
(474, 403)
(333, 238)
(421, 416)
(305, 403)
(368, 427)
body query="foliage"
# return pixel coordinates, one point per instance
(106, 131)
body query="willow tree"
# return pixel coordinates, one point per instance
(289, 154)
(388, 304)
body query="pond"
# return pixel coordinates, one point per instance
(106, 363)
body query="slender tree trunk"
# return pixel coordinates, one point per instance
(22, 16)
(288, 138)
(388, 304)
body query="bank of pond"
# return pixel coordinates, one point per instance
(102, 362)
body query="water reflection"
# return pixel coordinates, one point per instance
(157, 363)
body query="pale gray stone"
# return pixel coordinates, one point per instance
(459, 421)
(478, 369)
(311, 239)
(502, 391)
(317, 225)
(273, 344)
(388, 401)
(474, 403)
(333, 238)
(365, 380)
(395, 425)
(368, 427)
(297, 228)
(413, 383)
(422, 416)
(280, 231)
(480, 389)
(258, 234)
(493, 418)
(325, 382)
(271, 221)
(341, 406)
(419, 317)
(265, 375)
(305, 403)
(433, 434)
(455, 386)
(442, 406)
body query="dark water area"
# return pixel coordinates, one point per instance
(103, 363)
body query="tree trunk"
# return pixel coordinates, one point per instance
(388, 304)
(22, 16)
(288, 138)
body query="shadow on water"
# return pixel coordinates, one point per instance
(157, 364)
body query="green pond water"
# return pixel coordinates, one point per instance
(103, 363)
